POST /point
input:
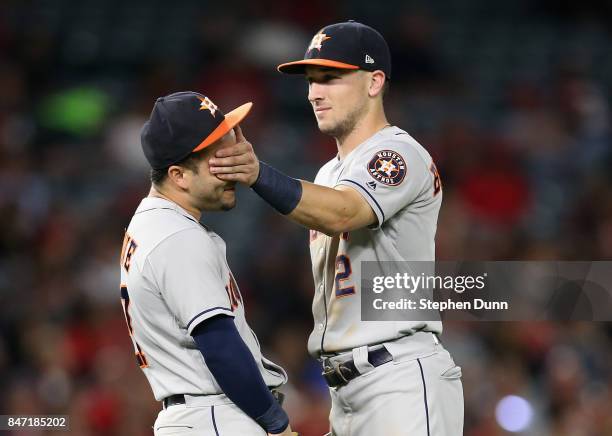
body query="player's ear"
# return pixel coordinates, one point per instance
(377, 83)
(176, 175)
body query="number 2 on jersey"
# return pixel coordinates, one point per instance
(125, 303)
(343, 272)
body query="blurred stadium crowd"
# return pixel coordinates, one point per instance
(512, 99)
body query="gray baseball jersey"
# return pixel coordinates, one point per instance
(174, 275)
(399, 180)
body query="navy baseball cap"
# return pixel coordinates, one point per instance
(183, 123)
(349, 45)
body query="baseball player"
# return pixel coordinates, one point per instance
(182, 305)
(377, 200)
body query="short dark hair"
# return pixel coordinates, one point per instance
(191, 162)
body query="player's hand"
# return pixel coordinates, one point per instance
(236, 163)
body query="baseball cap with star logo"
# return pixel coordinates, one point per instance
(349, 45)
(183, 123)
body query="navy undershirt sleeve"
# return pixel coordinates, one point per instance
(231, 363)
(282, 192)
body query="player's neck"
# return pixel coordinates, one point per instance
(175, 198)
(363, 130)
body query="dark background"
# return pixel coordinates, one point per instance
(511, 99)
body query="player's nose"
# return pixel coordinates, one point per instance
(315, 92)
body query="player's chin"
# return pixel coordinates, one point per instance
(328, 128)
(228, 200)
(323, 124)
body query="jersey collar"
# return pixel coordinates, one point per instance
(389, 128)
(150, 203)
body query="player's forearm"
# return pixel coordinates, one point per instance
(316, 207)
(328, 210)
(324, 209)
(232, 364)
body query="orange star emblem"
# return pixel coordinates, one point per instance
(317, 41)
(207, 104)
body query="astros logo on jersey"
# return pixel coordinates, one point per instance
(207, 104)
(387, 167)
(317, 41)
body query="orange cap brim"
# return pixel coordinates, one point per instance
(231, 119)
(297, 67)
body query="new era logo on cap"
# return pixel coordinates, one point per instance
(349, 45)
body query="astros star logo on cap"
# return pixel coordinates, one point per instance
(317, 41)
(207, 104)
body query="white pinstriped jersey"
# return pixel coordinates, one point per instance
(174, 275)
(399, 180)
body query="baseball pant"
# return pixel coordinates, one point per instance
(417, 394)
(210, 415)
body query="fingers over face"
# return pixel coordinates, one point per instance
(231, 169)
(234, 150)
(240, 159)
(233, 177)
(238, 132)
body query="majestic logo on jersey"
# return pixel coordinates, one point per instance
(317, 41)
(207, 104)
(387, 167)
(372, 185)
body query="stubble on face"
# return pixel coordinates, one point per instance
(351, 101)
(346, 125)
(210, 192)
(228, 203)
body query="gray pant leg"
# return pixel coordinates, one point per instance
(419, 396)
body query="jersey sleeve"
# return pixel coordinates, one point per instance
(189, 270)
(389, 176)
